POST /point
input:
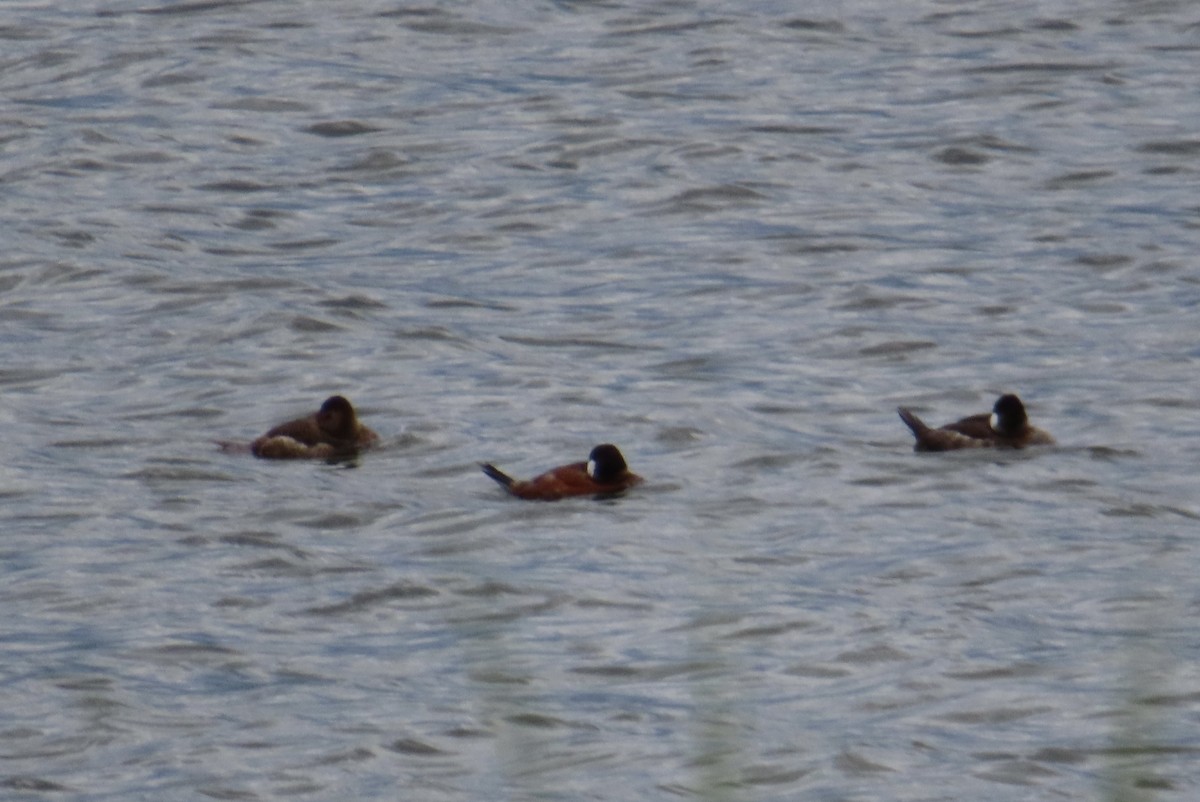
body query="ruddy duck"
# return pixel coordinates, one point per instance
(1006, 427)
(331, 432)
(604, 473)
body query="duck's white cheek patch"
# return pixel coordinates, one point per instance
(591, 468)
(994, 422)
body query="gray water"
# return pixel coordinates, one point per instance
(729, 237)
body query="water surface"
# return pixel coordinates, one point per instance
(731, 238)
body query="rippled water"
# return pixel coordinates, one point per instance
(731, 238)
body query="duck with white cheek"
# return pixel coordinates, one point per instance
(604, 474)
(1007, 426)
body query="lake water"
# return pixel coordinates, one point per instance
(729, 237)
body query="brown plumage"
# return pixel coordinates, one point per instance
(331, 432)
(1007, 426)
(604, 473)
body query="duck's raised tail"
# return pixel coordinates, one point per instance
(500, 476)
(913, 422)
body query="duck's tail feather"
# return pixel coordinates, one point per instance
(912, 421)
(492, 472)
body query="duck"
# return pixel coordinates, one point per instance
(1007, 426)
(605, 473)
(333, 431)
